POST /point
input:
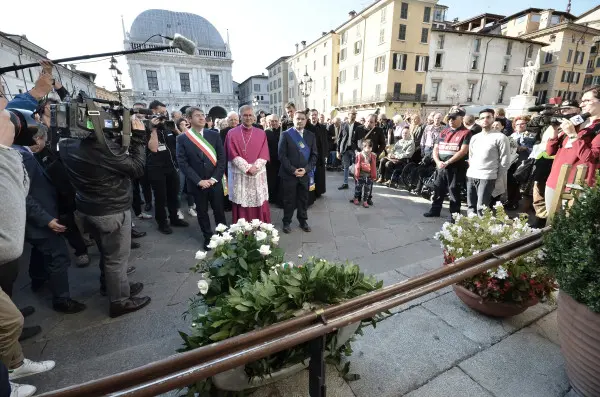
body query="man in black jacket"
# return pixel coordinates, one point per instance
(162, 171)
(347, 145)
(103, 184)
(298, 156)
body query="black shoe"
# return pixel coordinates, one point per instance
(29, 332)
(179, 223)
(68, 306)
(134, 289)
(370, 202)
(37, 285)
(148, 207)
(165, 229)
(305, 227)
(130, 270)
(27, 311)
(344, 186)
(287, 229)
(538, 223)
(128, 306)
(136, 233)
(135, 245)
(431, 214)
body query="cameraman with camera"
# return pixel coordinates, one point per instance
(163, 173)
(101, 173)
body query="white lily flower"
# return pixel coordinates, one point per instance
(200, 255)
(212, 244)
(260, 235)
(220, 228)
(235, 229)
(264, 250)
(227, 237)
(247, 227)
(241, 221)
(203, 286)
(255, 223)
(274, 232)
(275, 239)
(267, 226)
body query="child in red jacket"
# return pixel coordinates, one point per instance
(365, 172)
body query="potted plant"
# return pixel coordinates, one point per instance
(572, 249)
(261, 292)
(508, 289)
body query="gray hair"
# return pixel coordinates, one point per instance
(337, 118)
(232, 113)
(246, 107)
(272, 117)
(42, 132)
(189, 111)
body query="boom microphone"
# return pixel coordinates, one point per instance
(184, 44)
(540, 108)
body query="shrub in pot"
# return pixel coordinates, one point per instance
(508, 289)
(572, 250)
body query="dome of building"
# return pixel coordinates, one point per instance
(167, 23)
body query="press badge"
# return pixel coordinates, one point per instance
(162, 147)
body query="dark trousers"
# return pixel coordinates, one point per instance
(73, 234)
(8, 275)
(273, 181)
(364, 188)
(4, 383)
(146, 188)
(479, 194)
(387, 167)
(449, 181)
(165, 184)
(50, 261)
(513, 188)
(295, 197)
(215, 196)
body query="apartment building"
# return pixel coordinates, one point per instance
(384, 56)
(591, 18)
(312, 72)
(253, 91)
(473, 68)
(278, 85)
(564, 60)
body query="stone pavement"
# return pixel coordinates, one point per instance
(433, 346)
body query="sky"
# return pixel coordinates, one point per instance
(259, 31)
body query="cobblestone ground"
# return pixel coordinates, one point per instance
(433, 346)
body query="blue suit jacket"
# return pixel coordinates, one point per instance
(41, 201)
(193, 162)
(290, 156)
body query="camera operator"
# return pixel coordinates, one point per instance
(102, 180)
(576, 145)
(163, 174)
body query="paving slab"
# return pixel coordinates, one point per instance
(547, 327)
(523, 364)
(479, 328)
(452, 383)
(404, 352)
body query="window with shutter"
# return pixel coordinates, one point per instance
(402, 32)
(404, 11)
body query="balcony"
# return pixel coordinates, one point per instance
(406, 97)
(374, 99)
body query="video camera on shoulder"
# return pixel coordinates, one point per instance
(85, 117)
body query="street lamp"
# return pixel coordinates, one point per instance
(116, 74)
(305, 88)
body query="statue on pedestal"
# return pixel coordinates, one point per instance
(528, 81)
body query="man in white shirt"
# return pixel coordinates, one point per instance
(489, 159)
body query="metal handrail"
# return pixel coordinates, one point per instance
(183, 369)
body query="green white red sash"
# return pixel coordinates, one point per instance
(202, 144)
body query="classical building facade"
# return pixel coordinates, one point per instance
(278, 86)
(253, 91)
(17, 50)
(472, 68)
(173, 77)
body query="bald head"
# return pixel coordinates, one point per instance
(7, 129)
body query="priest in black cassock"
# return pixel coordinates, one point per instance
(233, 119)
(273, 134)
(320, 131)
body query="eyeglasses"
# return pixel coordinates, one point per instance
(588, 100)
(518, 124)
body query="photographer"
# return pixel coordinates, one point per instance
(576, 145)
(102, 180)
(163, 174)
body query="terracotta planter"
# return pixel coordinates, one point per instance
(236, 379)
(579, 334)
(493, 309)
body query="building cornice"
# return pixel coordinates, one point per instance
(280, 60)
(520, 39)
(580, 28)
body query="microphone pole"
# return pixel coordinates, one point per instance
(82, 57)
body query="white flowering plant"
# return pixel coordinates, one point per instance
(519, 280)
(241, 252)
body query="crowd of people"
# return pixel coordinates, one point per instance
(59, 192)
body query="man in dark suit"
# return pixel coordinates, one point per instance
(333, 133)
(43, 232)
(273, 134)
(201, 157)
(298, 156)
